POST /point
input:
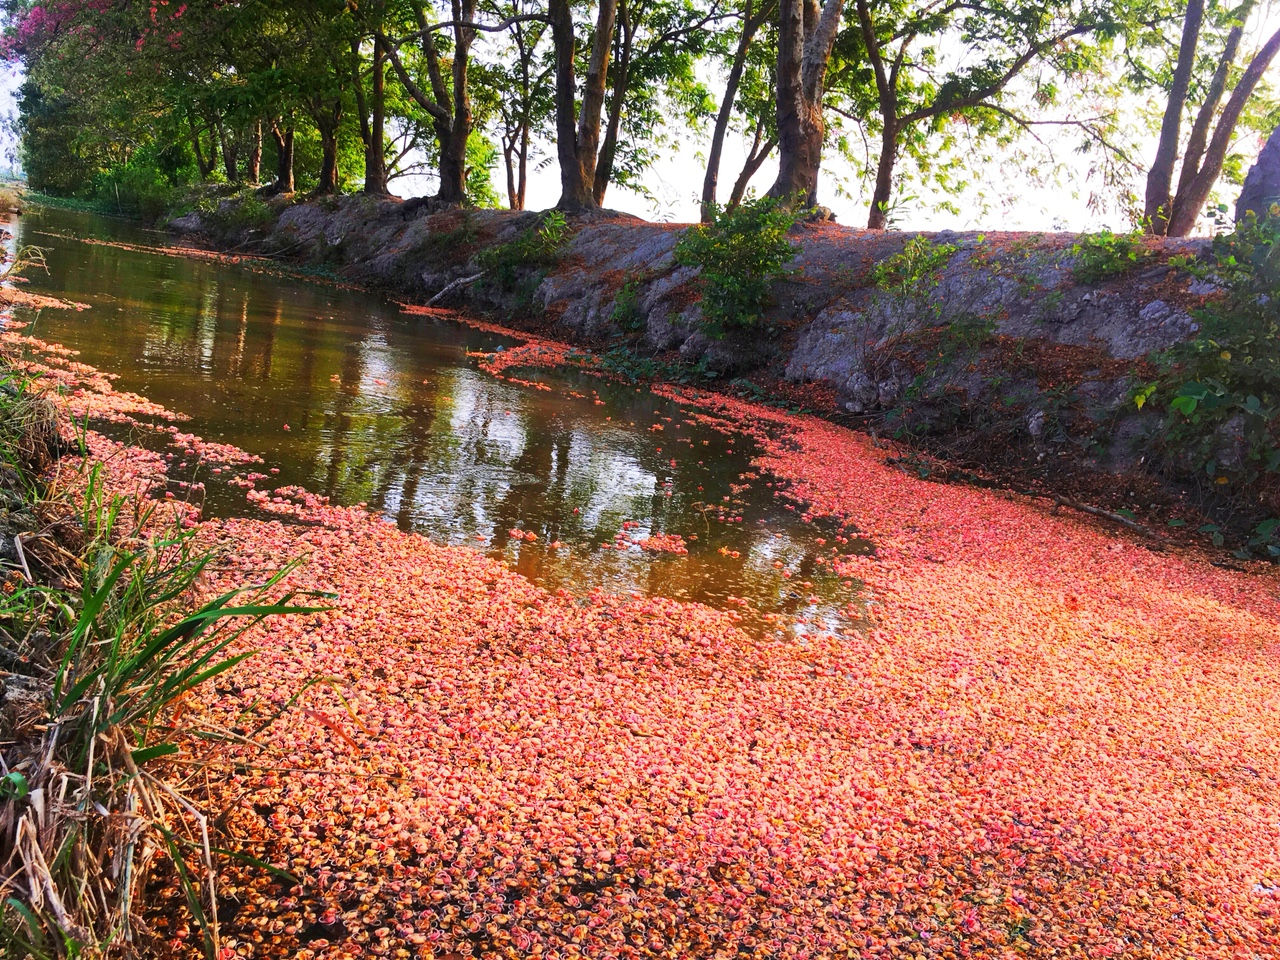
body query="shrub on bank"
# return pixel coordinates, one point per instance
(739, 256)
(1222, 389)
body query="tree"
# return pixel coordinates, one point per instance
(651, 78)
(1203, 155)
(524, 102)
(446, 100)
(578, 127)
(754, 15)
(371, 106)
(907, 91)
(806, 36)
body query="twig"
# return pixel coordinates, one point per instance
(1119, 518)
(453, 285)
(22, 557)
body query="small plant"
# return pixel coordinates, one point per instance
(626, 306)
(10, 199)
(1103, 255)
(24, 259)
(453, 245)
(739, 254)
(912, 274)
(251, 212)
(536, 250)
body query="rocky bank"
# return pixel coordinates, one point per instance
(1001, 354)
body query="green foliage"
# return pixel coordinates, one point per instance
(249, 211)
(626, 306)
(1223, 388)
(1104, 255)
(739, 255)
(538, 246)
(482, 156)
(913, 273)
(519, 265)
(635, 367)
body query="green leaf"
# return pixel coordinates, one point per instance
(14, 786)
(147, 754)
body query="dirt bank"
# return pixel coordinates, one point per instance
(1003, 360)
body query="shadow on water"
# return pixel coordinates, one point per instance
(388, 410)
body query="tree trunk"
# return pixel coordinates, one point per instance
(578, 131)
(1200, 130)
(759, 153)
(253, 162)
(523, 179)
(375, 152)
(328, 183)
(372, 113)
(228, 141)
(710, 180)
(327, 119)
(805, 39)
(452, 167)
(1159, 195)
(879, 216)
(574, 194)
(204, 166)
(1187, 207)
(617, 101)
(284, 158)
(453, 149)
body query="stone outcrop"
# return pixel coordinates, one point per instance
(1262, 185)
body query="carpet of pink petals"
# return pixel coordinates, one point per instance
(1044, 741)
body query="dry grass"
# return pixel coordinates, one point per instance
(10, 198)
(105, 631)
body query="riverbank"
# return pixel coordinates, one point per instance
(1037, 736)
(1007, 358)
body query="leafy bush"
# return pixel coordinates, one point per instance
(915, 271)
(739, 254)
(1223, 388)
(527, 257)
(1103, 255)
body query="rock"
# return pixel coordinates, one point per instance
(1262, 185)
(189, 224)
(1035, 424)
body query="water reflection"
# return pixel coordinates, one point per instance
(388, 410)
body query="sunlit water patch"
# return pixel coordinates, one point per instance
(588, 485)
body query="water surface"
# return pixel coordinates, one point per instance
(388, 410)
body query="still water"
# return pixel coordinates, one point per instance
(388, 410)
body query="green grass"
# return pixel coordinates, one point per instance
(105, 631)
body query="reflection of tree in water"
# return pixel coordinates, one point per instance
(343, 404)
(462, 455)
(541, 469)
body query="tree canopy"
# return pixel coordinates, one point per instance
(143, 97)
